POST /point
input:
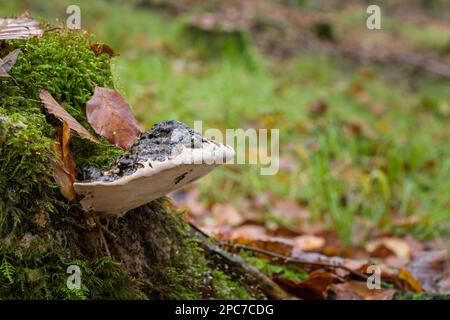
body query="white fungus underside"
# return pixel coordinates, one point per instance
(155, 179)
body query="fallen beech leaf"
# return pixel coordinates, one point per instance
(314, 288)
(8, 62)
(308, 243)
(64, 167)
(408, 281)
(68, 160)
(99, 48)
(54, 108)
(23, 27)
(357, 290)
(110, 116)
(257, 237)
(337, 261)
(63, 180)
(383, 247)
(429, 267)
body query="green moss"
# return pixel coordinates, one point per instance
(227, 288)
(421, 296)
(35, 223)
(286, 271)
(63, 64)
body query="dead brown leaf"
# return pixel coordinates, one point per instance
(8, 62)
(99, 48)
(384, 247)
(429, 268)
(64, 168)
(308, 243)
(110, 116)
(357, 290)
(54, 108)
(23, 27)
(257, 237)
(314, 287)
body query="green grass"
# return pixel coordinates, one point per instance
(400, 166)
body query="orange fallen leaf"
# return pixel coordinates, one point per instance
(408, 281)
(54, 108)
(99, 48)
(64, 168)
(110, 116)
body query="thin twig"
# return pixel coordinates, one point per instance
(296, 260)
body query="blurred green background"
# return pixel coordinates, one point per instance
(364, 130)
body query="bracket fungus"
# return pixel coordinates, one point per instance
(161, 160)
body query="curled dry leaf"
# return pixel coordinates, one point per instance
(384, 247)
(99, 48)
(314, 287)
(54, 108)
(110, 116)
(8, 62)
(64, 167)
(357, 290)
(429, 268)
(257, 237)
(408, 281)
(23, 27)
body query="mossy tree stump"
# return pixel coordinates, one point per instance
(41, 234)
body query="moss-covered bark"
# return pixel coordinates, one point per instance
(41, 234)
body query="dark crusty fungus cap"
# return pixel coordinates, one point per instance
(162, 160)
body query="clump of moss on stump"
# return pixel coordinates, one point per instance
(41, 234)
